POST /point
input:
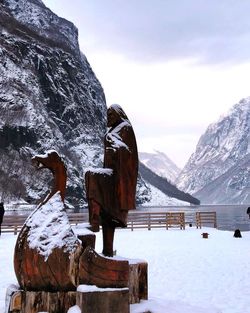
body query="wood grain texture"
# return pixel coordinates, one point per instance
(102, 272)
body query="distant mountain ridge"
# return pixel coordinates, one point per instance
(161, 164)
(165, 186)
(219, 170)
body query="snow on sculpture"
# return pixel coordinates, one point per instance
(47, 251)
(111, 190)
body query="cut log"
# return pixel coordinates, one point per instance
(103, 301)
(138, 281)
(41, 301)
(13, 299)
(90, 299)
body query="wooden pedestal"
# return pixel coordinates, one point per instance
(138, 281)
(104, 300)
(132, 275)
(41, 301)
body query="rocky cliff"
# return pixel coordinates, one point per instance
(219, 170)
(49, 98)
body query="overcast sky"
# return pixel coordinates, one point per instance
(174, 66)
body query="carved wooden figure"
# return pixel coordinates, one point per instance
(47, 251)
(50, 261)
(52, 161)
(111, 190)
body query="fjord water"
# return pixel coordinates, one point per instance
(229, 217)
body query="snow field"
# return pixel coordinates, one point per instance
(186, 272)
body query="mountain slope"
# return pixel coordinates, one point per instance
(233, 185)
(165, 186)
(222, 149)
(159, 163)
(49, 98)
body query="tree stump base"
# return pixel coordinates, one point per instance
(138, 281)
(92, 299)
(21, 301)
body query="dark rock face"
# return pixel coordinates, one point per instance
(49, 98)
(219, 170)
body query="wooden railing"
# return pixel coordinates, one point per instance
(136, 220)
(205, 219)
(14, 223)
(151, 220)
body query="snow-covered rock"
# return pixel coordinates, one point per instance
(218, 171)
(49, 97)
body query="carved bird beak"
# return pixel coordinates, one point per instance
(38, 165)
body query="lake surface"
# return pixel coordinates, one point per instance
(229, 217)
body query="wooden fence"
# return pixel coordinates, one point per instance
(205, 219)
(14, 223)
(156, 220)
(136, 220)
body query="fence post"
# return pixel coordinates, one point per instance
(198, 222)
(149, 221)
(183, 220)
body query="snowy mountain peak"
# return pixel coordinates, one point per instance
(161, 164)
(38, 18)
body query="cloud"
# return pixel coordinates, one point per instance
(211, 31)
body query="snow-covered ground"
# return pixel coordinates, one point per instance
(186, 272)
